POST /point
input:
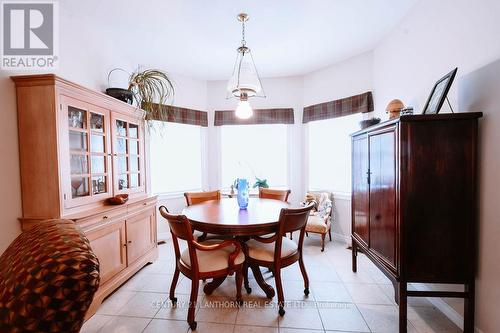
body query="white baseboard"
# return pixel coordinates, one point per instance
(445, 308)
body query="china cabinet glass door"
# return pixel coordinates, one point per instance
(128, 156)
(89, 155)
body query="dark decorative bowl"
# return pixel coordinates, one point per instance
(123, 95)
(119, 199)
(369, 122)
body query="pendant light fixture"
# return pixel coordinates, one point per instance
(245, 81)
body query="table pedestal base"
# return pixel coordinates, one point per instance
(268, 290)
(212, 285)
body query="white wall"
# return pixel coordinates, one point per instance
(344, 79)
(351, 77)
(435, 37)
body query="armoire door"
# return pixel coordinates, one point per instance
(360, 217)
(382, 173)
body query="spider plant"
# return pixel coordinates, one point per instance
(152, 88)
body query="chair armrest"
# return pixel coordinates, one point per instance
(226, 243)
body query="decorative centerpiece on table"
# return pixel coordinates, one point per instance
(242, 197)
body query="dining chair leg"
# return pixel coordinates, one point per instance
(323, 242)
(279, 287)
(192, 303)
(307, 234)
(260, 281)
(304, 275)
(173, 285)
(291, 235)
(330, 234)
(245, 278)
(239, 282)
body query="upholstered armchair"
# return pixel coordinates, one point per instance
(320, 218)
(48, 277)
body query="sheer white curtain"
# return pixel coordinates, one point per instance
(249, 151)
(175, 157)
(330, 153)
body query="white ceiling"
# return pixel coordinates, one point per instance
(199, 38)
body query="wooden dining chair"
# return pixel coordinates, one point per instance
(267, 193)
(277, 251)
(193, 198)
(202, 261)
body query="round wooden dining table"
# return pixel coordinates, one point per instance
(224, 217)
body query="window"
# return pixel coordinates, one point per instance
(330, 153)
(175, 157)
(250, 151)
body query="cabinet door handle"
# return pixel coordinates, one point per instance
(105, 217)
(130, 242)
(145, 204)
(125, 245)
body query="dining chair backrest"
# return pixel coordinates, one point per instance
(267, 193)
(179, 225)
(193, 198)
(293, 219)
(180, 228)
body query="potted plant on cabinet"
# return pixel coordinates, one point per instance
(150, 88)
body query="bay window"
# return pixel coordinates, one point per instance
(249, 151)
(176, 155)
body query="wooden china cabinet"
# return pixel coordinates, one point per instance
(79, 147)
(414, 204)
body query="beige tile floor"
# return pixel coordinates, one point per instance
(340, 301)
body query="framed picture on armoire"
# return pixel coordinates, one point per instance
(439, 92)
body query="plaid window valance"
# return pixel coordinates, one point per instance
(180, 115)
(339, 108)
(260, 116)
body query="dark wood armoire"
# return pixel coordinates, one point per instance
(414, 205)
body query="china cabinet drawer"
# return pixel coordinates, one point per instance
(145, 204)
(103, 217)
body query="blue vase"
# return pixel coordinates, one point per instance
(242, 193)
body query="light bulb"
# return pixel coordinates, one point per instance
(244, 110)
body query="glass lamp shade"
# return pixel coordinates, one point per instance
(244, 110)
(245, 79)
